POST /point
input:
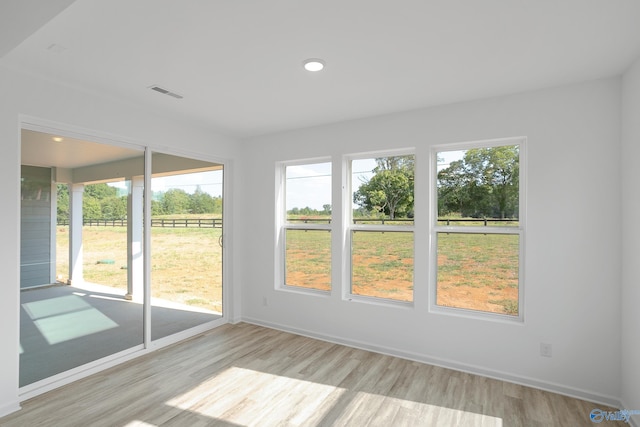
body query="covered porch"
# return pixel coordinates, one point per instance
(70, 318)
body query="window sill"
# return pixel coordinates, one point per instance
(379, 301)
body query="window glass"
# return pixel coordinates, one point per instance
(479, 230)
(308, 193)
(381, 229)
(307, 229)
(479, 186)
(308, 259)
(382, 264)
(478, 271)
(383, 190)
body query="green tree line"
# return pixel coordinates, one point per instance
(390, 190)
(484, 183)
(101, 201)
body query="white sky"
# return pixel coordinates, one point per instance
(310, 184)
(448, 157)
(209, 182)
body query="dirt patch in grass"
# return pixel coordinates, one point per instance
(475, 271)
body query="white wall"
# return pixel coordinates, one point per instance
(631, 239)
(573, 240)
(31, 96)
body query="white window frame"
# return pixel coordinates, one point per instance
(282, 225)
(519, 230)
(349, 227)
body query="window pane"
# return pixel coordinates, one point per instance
(76, 310)
(186, 243)
(308, 259)
(478, 272)
(383, 190)
(479, 186)
(382, 264)
(308, 193)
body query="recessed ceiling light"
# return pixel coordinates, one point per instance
(57, 139)
(313, 64)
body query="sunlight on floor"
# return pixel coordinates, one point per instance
(137, 423)
(248, 397)
(244, 396)
(65, 318)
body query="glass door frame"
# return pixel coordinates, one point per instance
(147, 346)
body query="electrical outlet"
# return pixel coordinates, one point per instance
(546, 349)
(264, 301)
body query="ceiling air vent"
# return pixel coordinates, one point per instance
(165, 91)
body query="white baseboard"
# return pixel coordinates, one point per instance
(235, 320)
(635, 420)
(9, 408)
(450, 364)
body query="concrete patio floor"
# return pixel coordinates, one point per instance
(63, 327)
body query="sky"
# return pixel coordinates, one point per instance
(209, 182)
(448, 157)
(307, 185)
(310, 184)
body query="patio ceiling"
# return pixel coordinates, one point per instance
(81, 161)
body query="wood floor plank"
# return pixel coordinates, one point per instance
(246, 375)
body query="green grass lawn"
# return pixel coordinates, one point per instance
(475, 271)
(186, 263)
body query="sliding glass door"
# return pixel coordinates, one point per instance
(84, 281)
(77, 223)
(186, 243)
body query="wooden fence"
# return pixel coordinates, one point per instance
(217, 222)
(155, 222)
(441, 221)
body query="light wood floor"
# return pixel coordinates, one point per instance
(246, 375)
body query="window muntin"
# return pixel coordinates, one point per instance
(478, 230)
(381, 227)
(307, 226)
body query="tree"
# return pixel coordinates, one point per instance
(99, 191)
(497, 169)
(114, 207)
(390, 189)
(201, 202)
(175, 201)
(91, 208)
(63, 202)
(453, 189)
(217, 204)
(484, 183)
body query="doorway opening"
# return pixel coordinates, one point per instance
(83, 283)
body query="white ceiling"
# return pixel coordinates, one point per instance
(238, 64)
